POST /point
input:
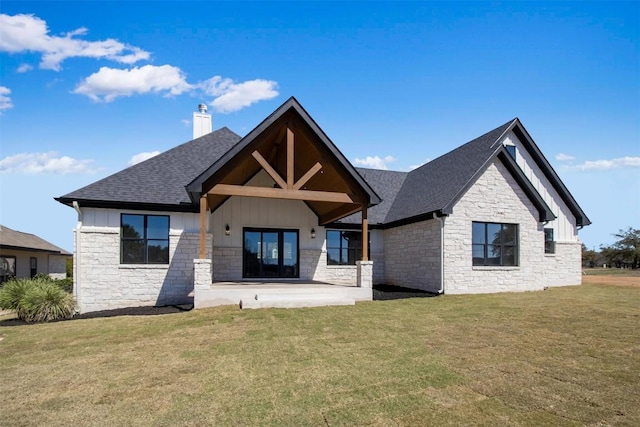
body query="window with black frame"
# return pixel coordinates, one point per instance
(549, 242)
(344, 247)
(495, 244)
(144, 239)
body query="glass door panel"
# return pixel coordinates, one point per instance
(252, 254)
(289, 254)
(270, 253)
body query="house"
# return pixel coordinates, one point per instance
(276, 218)
(25, 255)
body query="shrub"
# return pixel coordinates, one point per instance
(37, 300)
(45, 301)
(65, 284)
(12, 293)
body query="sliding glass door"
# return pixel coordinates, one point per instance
(270, 253)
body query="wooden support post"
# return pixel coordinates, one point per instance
(203, 225)
(290, 158)
(365, 234)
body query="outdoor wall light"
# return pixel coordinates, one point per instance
(313, 233)
(227, 230)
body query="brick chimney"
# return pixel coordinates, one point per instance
(201, 122)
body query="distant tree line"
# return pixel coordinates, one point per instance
(623, 253)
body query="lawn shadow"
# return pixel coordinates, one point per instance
(389, 292)
(128, 311)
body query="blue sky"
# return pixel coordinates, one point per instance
(87, 87)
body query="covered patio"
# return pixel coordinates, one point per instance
(286, 159)
(290, 294)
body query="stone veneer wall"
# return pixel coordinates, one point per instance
(565, 266)
(412, 255)
(104, 283)
(494, 197)
(227, 264)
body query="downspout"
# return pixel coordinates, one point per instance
(441, 221)
(77, 252)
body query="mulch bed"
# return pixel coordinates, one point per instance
(388, 292)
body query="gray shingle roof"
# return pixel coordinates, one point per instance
(160, 180)
(387, 185)
(436, 185)
(13, 239)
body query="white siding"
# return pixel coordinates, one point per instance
(565, 224)
(241, 212)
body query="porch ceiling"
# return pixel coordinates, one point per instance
(302, 166)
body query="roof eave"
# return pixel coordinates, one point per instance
(544, 211)
(137, 206)
(546, 168)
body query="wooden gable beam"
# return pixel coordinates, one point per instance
(271, 171)
(290, 158)
(280, 193)
(203, 226)
(337, 213)
(307, 176)
(365, 234)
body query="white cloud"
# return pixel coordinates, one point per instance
(28, 33)
(603, 165)
(109, 83)
(186, 122)
(232, 96)
(5, 99)
(561, 157)
(23, 68)
(141, 157)
(375, 162)
(37, 163)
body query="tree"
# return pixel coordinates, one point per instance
(625, 252)
(589, 257)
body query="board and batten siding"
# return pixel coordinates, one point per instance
(254, 212)
(564, 225)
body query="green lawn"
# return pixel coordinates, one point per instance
(565, 356)
(626, 272)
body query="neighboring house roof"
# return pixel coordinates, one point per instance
(12, 239)
(173, 180)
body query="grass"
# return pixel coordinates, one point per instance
(621, 272)
(565, 356)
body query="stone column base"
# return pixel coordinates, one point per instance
(201, 274)
(364, 274)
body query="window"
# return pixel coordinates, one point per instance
(7, 267)
(511, 149)
(344, 247)
(33, 264)
(144, 239)
(495, 244)
(549, 243)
